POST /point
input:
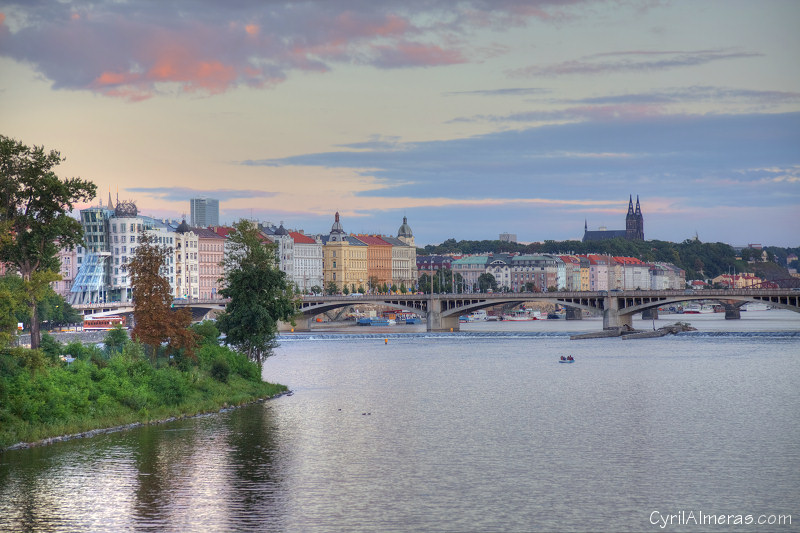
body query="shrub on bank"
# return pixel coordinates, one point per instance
(42, 396)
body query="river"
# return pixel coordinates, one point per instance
(395, 429)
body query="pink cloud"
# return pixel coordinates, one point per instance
(131, 50)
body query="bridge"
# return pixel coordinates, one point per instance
(442, 310)
(617, 307)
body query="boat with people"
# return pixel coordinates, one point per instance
(697, 309)
(522, 315)
(567, 359)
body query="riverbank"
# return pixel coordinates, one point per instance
(44, 399)
(103, 431)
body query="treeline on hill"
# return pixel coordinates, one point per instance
(43, 395)
(700, 260)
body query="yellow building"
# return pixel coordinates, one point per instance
(344, 260)
(738, 281)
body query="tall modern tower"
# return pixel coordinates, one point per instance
(204, 212)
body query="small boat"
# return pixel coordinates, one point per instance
(569, 359)
(521, 315)
(414, 320)
(696, 309)
(367, 321)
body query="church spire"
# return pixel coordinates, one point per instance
(638, 209)
(110, 204)
(630, 204)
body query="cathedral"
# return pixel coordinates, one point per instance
(634, 226)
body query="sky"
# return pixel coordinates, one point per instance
(471, 118)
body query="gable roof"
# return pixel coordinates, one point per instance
(299, 238)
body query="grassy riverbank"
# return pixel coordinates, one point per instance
(42, 396)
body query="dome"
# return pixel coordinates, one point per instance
(337, 226)
(183, 227)
(405, 229)
(126, 209)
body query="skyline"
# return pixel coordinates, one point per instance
(472, 118)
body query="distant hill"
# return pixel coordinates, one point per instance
(700, 260)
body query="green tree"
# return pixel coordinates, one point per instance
(11, 305)
(258, 292)
(34, 217)
(486, 281)
(155, 321)
(207, 332)
(316, 289)
(116, 339)
(331, 288)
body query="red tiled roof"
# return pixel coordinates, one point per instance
(222, 231)
(299, 238)
(372, 240)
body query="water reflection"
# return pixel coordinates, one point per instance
(169, 476)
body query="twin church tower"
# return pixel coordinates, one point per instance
(634, 226)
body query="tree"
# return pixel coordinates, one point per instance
(258, 291)
(116, 339)
(486, 281)
(372, 283)
(155, 321)
(316, 289)
(331, 288)
(530, 286)
(10, 305)
(34, 217)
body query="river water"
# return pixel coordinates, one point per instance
(395, 429)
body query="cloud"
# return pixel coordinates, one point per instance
(598, 159)
(697, 94)
(135, 50)
(510, 91)
(631, 61)
(183, 194)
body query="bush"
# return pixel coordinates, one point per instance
(50, 346)
(170, 385)
(116, 339)
(208, 332)
(220, 369)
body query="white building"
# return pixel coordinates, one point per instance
(307, 269)
(111, 238)
(187, 271)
